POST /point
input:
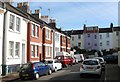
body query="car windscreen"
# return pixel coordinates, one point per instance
(90, 62)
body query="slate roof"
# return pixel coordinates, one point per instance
(105, 30)
(116, 28)
(74, 32)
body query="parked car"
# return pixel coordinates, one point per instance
(91, 66)
(102, 62)
(75, 60)
(34, 70)
(54, 64)
(111, 58)
(65, 60)
(80, 57)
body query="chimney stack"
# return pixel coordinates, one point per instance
(52, 23)
(37, 11)
(24, 6)
(111, 25)
(19, 4)
(45, 18)
(37, 14)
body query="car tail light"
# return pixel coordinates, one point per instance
(32, 66)
(98, 67)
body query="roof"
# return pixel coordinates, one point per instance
(74, 32)
(116, 28)
(105, 30)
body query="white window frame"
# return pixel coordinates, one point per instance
(72, 38)
(36, 51)
(107, 35)
(32, 50)
(17, 24)
(17, 49)
(107, 43)
(47, 33)
(100, 36)
(33, 29)
(88, 35)
(79, 45)
(117, 33)
(11, 49)
(47, 50)
(79, 36)
(11, 22)
(37, 31)
(100, 43)
(95, 36)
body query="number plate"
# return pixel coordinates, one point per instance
(25, 75)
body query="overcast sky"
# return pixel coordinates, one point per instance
(73, 14)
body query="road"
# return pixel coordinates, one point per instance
(69, 73)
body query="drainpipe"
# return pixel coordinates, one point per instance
(3, 45)
(53, 43)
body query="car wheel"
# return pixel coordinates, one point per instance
(49, 71)
(99, 76)
(55, 69)
(81, 75)
(22, 78)
(36, 76)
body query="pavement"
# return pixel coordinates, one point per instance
(9, 77)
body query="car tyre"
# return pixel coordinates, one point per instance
(36, 76)
(55, 69)
(49, 72)
(22, 78)
(81, 75)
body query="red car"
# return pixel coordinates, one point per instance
(65, 60)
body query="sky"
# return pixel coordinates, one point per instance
(71, 15)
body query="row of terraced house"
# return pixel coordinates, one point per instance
(27, 37)
(94, 38)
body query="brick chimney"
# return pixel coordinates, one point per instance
(23, 6)
(52, 23)
(111, 25)
(37, 13)
(45, 18)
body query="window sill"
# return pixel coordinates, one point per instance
(34, 57)
(34, 37)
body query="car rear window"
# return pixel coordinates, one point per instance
(26, 66)
(50, 62)
(99, 59)
(90, 62)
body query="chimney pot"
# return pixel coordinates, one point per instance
(19, 4)
(30, 11)
(37, 11)
(25, 4)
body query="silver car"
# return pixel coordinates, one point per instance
(90, 66)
